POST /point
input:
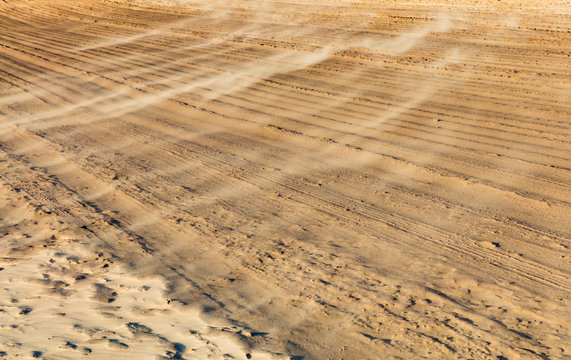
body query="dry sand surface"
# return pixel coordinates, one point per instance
(285, 180)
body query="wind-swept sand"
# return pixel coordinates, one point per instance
(284, 180)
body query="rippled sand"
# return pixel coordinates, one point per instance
(277, 180)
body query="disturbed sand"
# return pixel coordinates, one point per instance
(281, 180)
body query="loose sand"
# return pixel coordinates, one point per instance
(285, 180)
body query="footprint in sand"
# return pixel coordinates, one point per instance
(104, 312)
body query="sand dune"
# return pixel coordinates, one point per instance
(284, 180)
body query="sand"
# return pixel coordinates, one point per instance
(285, 180)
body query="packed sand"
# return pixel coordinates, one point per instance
(285, 180)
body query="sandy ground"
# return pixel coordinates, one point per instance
(285, 180)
